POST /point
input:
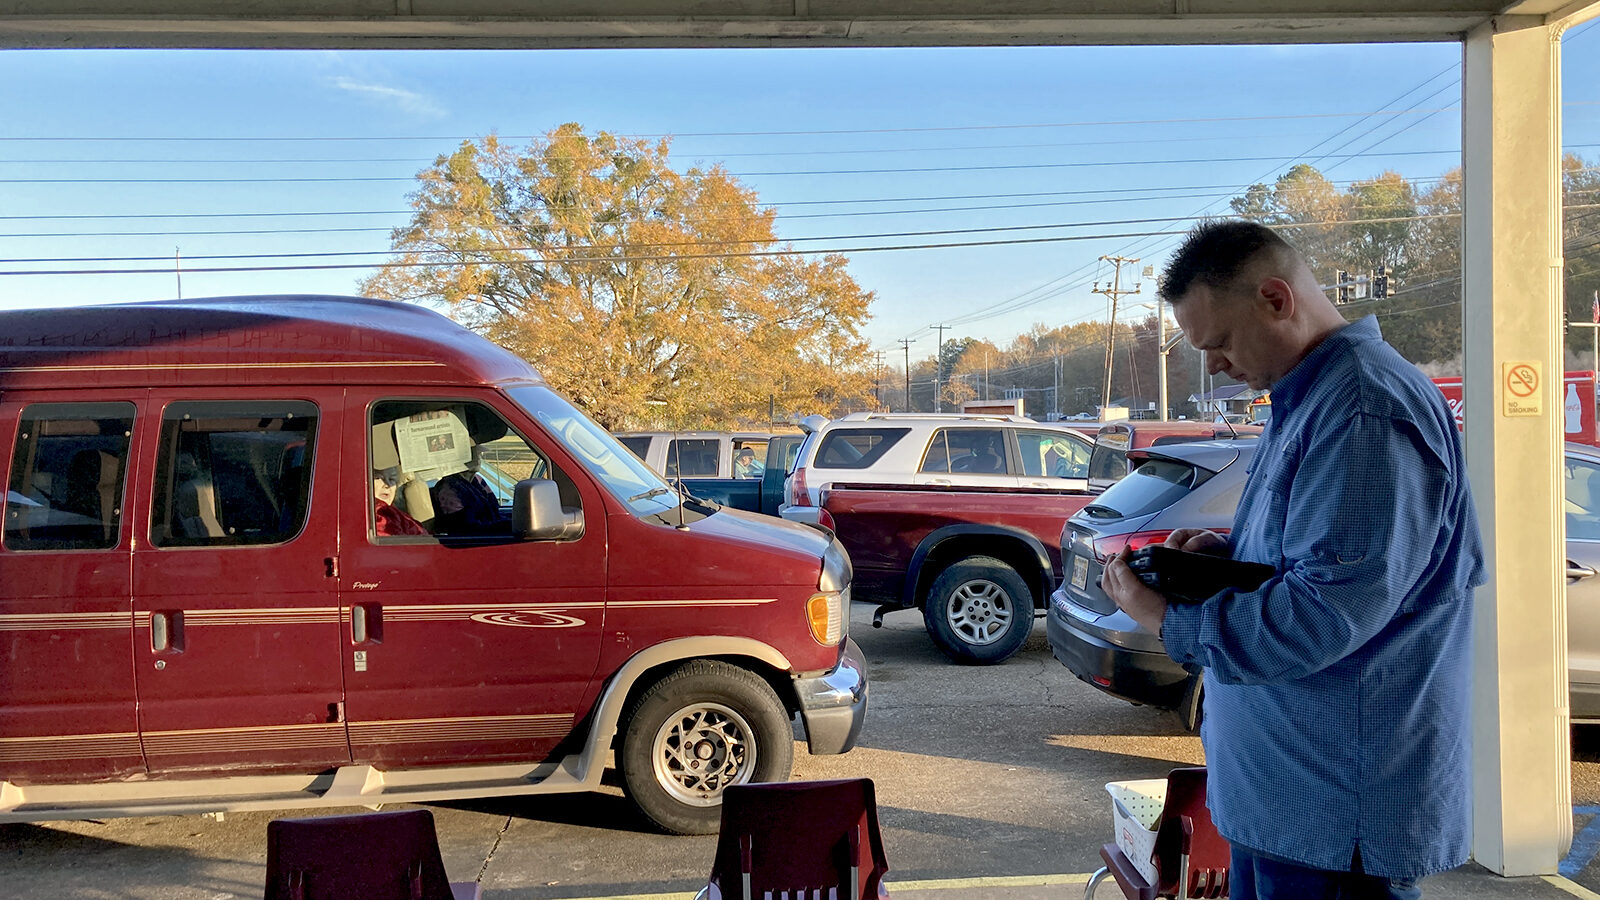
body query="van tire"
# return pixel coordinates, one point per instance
(740, 731)
(979, 611)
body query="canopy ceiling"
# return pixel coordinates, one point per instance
(740, 23)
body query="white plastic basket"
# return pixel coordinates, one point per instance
(1136, 813)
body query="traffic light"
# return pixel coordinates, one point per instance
(1341, 279)
(1380, 283)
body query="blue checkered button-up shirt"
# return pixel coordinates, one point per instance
(1337, 694)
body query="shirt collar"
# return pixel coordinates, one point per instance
(1289, 389)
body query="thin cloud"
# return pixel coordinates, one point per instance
(409, 101)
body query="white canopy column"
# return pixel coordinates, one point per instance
(1512, 363)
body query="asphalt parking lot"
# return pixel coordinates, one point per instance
(989, 780)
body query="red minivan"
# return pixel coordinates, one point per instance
(309, 551)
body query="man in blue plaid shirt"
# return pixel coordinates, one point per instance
(1337, 693)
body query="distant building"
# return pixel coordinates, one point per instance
(1227, 399)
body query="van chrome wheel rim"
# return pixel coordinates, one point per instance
(979, 612)
(701, 750)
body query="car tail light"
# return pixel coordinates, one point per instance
(798, 495)
(825, 519)
(1107, 547)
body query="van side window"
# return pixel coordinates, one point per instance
(232, 473)
(67, 476)
(449, 468)
(637, 445)
(692, 458)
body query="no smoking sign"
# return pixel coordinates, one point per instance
(1520, 384)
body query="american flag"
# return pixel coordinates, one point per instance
(1597, 307)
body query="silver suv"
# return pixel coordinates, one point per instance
(922, 448)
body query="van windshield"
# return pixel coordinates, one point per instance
(623, 474)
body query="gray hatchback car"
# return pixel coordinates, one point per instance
(1198, 486)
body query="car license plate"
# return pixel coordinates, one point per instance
(1080, 572)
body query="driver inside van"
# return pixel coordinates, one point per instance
(389, 519)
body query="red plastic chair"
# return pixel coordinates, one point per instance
(801, 840)
(1191, 857)
(373, 856)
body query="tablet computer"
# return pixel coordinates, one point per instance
(1194, 577)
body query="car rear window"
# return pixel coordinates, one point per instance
(1155, 485)
(856, 448)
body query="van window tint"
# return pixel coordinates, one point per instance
(67, 475)
(449, 468)
(692, 458)
(1154, 486)
(1048, 454)
(233, 473)
(971, 450)
(638, 446)
(856, 448)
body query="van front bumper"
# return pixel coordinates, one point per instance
(833, 706)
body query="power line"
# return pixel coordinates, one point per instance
(688, 134)
(585, 248)
(1111, 194)
(897, 170)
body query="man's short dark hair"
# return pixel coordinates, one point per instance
(1214, 253)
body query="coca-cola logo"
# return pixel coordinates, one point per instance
(1459, 409)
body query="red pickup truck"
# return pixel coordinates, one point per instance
(978, 561)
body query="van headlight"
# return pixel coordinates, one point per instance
(828, 610)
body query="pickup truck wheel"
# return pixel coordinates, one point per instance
(703, 727)
(979, 611)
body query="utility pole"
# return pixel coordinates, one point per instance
(877, 378)
(938, 363)
(906, 344)
(1055, 392)
(1161, 354)
(1114, 291)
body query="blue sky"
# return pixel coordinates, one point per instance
(102, 141)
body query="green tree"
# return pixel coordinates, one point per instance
(637, 290)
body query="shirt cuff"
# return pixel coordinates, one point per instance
(1180, 631)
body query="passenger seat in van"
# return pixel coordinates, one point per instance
(412, 493)
(195, 501)
(92, 483)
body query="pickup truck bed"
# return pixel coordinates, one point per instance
(978, 561)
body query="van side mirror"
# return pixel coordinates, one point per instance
(537, 514)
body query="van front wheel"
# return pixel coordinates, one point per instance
(979, 611)
(706, 725)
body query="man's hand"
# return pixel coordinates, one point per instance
(1142, 604)
(1197, 540)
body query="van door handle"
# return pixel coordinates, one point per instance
(366, 623)
(166, 632)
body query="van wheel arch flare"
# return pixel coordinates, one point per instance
(703, 726)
